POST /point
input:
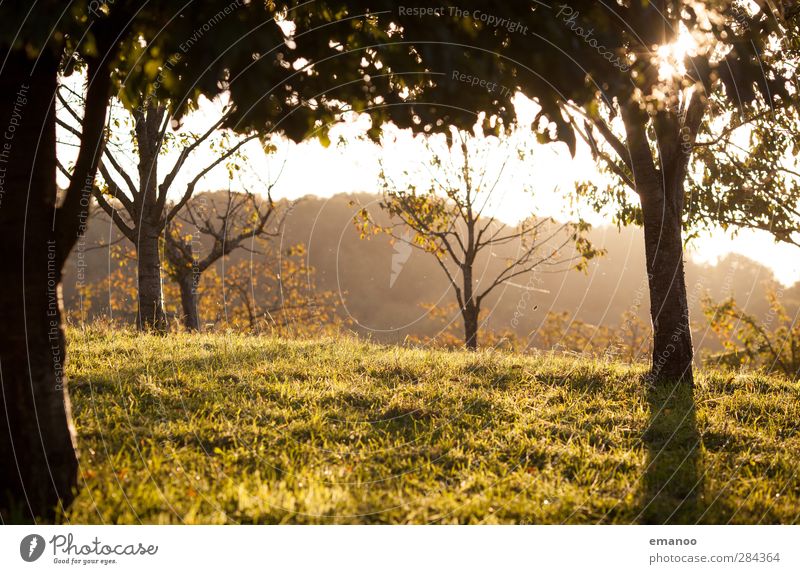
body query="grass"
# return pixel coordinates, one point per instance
(240, 429)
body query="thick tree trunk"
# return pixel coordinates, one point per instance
(661, 195)
(37, 451)
(470, 316)
(669, 309)
(150, 315)
(191, 317)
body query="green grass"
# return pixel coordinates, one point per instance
(239, 429)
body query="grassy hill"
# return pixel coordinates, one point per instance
(238, 429)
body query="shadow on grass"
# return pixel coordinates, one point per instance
(673, 486)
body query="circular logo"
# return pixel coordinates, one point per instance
(31, 548)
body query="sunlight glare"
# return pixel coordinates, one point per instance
(671, 57)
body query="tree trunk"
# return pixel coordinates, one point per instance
(669, 309)
(191, 317)
(470, 310)
(470, 316)
(37, 450)
(150, 316)
(661, 194)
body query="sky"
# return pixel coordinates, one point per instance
(354, 167)
(541, 184)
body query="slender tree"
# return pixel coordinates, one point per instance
(139, 204)
(651, 149)
(444, 203)
(229, 222)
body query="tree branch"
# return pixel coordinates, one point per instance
(70, 219)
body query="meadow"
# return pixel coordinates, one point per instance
(228, 428)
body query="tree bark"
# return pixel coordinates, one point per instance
(150, 315)
(470, 314)
(470, 309)
(37, 448)
(669, 308)
(191, 317)
(661, 195)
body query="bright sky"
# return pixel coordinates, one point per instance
(354, 168)
(310, 169)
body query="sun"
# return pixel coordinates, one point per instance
(671, 57)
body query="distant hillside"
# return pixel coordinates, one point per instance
(361, 272)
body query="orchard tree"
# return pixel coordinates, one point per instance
(707, 87)
(139, 203)
(443, 201)
(226, 221)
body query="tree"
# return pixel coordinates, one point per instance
(228, 221)
(158, 53)
(445, 212)
(661, 109)
(140, 206)
(665, 140)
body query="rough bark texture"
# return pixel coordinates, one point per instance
(469, 310)
(470, 317)
(661, 195)
(37, 451)
(191, 318)
(185, 271)
(669, 308)
(150, 315)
